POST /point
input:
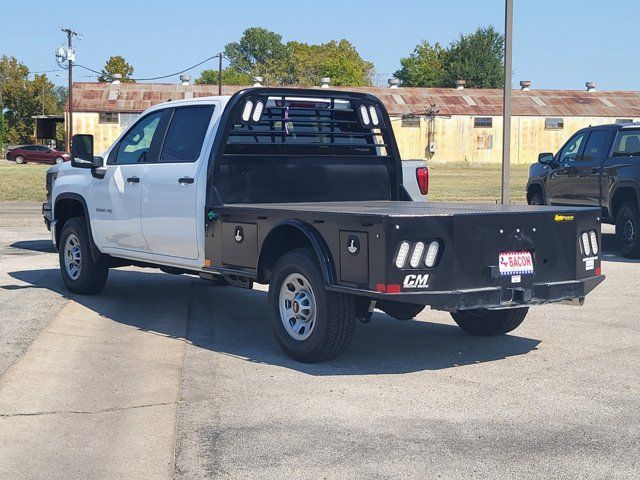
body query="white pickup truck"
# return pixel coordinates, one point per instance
(303, 190)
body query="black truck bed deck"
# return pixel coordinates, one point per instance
(405, 209)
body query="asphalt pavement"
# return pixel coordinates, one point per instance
(164, 376)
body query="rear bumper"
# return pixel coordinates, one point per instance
(491, 297)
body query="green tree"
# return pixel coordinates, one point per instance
(256, 47)
(425, 67)
(22, 98)
(338, 60)
(116, 64)
(230, 76)
(477, 58)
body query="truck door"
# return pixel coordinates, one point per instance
(115, 199)
(586, 171)
(173, 196)
(560, 182)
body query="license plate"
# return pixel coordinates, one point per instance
(515, 263)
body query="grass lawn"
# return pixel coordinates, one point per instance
(457, 183)
(22, 182)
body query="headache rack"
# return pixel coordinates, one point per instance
(344, 136)
(295, 124)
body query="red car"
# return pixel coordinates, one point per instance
(36, 153)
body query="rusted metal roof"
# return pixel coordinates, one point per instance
(136, 97)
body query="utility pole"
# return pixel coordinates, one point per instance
(220, 73)
(506, 106)
(70, 57)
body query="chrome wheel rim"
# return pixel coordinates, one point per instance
(19, 160)
(297, 307)
(59, 160)
(72, 257)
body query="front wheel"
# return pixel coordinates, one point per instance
(59, 160)
(536, 199)
(628, 230)
(487, 323)
(20, 160)
(80, 273)
(310, 323)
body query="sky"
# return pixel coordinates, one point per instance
(558, 44)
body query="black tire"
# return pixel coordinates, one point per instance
(628, 230)
(536, 198)
(20, 160)
(400, 310)
(335, 315)
(487, 323)
(92, 276)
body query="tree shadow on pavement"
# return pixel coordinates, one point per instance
(235, 322)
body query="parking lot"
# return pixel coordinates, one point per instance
(165, 376)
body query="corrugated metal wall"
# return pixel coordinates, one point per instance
(456, 138)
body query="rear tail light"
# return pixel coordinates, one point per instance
(593, 236)
(416, 256)
(432, 254)
(585, 244)
(422, 176)
(401, 258)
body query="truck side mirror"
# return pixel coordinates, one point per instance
(545, 158)
(82, 151)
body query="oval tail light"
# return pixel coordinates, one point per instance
(422, 176)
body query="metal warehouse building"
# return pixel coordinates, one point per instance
(442, 125)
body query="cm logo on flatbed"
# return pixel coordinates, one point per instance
(416, 281)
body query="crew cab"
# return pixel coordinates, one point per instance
(303, 190)
(598, 167)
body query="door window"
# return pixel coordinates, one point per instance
(570, 151)
(136, 145)
(595, 149)
(185, 136)
(627, 144)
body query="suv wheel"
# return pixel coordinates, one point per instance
(536, 199)
(486, 323)
(20, 159)
(310, 324)
(80, 273)
(628, 230)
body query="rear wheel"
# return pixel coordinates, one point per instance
(59, 160)
(486, 323)
(310, 323)
(400, 310)
(536, 199)
(20, 159)
(80, 273)
(628, 230)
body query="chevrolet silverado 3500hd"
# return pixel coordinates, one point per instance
(303, 190)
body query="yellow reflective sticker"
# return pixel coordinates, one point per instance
(563, 218)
